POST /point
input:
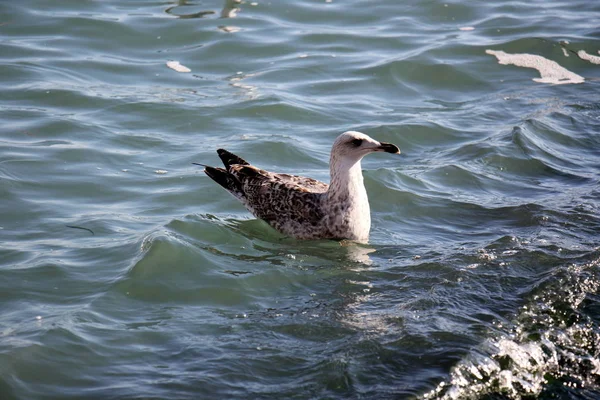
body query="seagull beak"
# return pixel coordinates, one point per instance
(388, 148)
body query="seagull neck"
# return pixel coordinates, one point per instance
(346, 180)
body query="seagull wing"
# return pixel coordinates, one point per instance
(302, 182)
(279, 199)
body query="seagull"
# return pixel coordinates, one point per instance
(305, 208)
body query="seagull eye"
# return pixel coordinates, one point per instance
(357, 142)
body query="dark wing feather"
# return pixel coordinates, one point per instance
(222, 175)
(227, 180)
(230, 159)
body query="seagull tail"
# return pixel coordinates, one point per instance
(225, 179)
(230, 159)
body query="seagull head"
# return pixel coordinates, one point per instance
(352, 146)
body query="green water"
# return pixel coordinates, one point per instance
(125, 272)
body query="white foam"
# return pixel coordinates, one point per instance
(588, 57)
(550, 71)
(230, 29)
(175, 65)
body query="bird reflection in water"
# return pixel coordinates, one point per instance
(358, 253)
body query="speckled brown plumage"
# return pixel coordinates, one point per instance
(303, 207)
